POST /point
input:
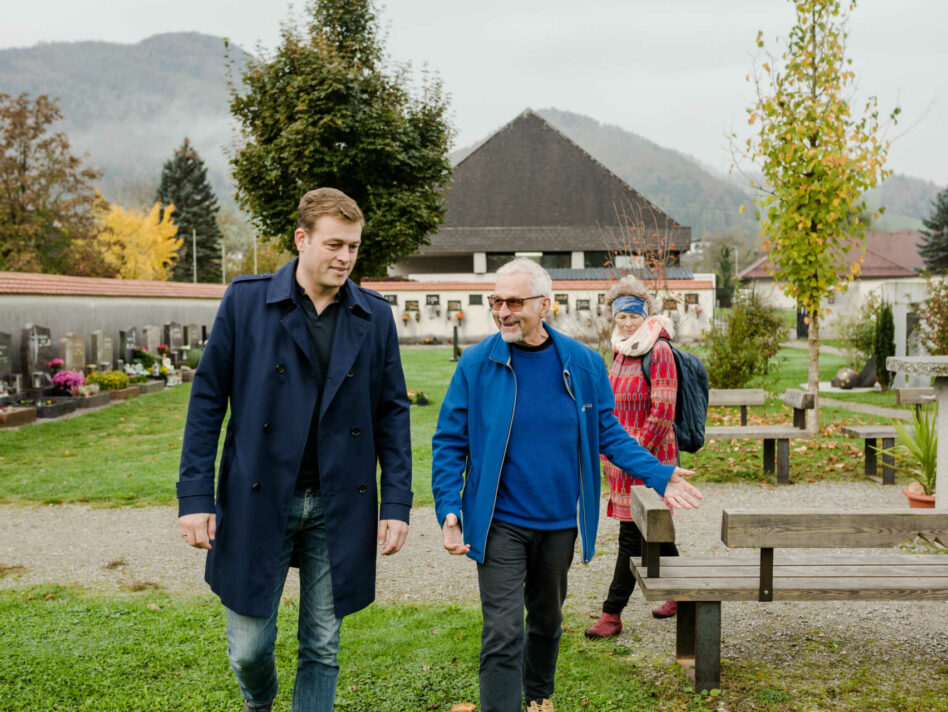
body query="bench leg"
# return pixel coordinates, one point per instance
(870, 456)
(768, 457)
(888, 463)
(698, 642)
(783, 462)
(743, 415)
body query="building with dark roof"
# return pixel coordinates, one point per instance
(529, 190)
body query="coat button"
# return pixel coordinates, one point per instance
(363, 489)
(355, 431)
(267, 427)
(255, 486)
(350, 374)
(280, 368)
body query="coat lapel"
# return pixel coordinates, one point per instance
(281, 289)
(352, 326)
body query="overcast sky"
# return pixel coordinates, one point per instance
(672, 71)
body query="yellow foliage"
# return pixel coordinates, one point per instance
(136, 244)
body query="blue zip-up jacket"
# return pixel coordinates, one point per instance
(470, 443)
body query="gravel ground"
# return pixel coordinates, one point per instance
(121, 549)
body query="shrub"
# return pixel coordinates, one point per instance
(742, 347)
(194, 357)
(112, 380)
(145, 358)
(857, 331)
(884, 345)
(934, 316)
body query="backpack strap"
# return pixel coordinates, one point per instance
(647, 361)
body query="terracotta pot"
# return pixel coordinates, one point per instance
(919, 501)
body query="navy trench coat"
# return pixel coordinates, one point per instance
(258, 361)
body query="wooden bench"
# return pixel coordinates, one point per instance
(743, 397)
(779, 435)
(699, 585)
(871, 434)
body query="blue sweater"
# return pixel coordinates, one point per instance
(539, 483)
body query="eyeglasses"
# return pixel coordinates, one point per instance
(514, 304)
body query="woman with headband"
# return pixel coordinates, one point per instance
(647, 411)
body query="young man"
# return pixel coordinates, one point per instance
(309, 364)
(516, 463)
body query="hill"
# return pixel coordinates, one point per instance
(129, 106)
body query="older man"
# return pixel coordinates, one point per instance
(516, 467)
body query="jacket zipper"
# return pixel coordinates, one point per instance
(506, 445)
(567, 379)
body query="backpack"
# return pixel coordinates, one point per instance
(691, 404)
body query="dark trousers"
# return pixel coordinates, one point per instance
(623, 582)
(522, 568)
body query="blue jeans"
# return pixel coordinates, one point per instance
(250, 640)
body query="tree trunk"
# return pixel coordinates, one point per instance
(813, 370)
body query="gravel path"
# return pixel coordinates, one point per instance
(121, 549)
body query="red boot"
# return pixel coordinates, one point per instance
(666, 610)
(609, 625)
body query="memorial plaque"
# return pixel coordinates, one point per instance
(433, 300)
(192, 335)
(561, 299)
(72, 350)
(6, 356)
(454, 305)
(174, 336)
(151, 338)
(669, 304)
(128, 340)
(36, 349)
(582, 305)
(411, 305)
(691, 298)
(392, 299)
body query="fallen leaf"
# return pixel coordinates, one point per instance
(425, 667)
(154, 606)
(463, 707)
(49, 596)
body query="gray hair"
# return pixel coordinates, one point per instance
(539, 277)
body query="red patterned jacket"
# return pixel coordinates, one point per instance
(647, 415)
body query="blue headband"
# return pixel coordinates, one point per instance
(634, 305)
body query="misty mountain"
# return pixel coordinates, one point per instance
(128, 106)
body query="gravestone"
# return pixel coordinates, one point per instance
(128, 340)
(151, 338)
(6, 357)
(72, 350)
(102, 350)
(36, 350)
(192, 335)
(174, 336)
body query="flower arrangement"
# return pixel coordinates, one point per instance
(110, 380)
(163, 350)
(459, 316)
(56, 365)
(417, 397)
(405, 317)
(145, 358)
(66, 383)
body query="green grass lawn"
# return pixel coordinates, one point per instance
(127, 454)
(69, 650)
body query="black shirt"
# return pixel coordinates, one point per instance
(321, 327)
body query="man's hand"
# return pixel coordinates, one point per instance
(679, 494)
(396, 530)
(198, 530)
(451, 536)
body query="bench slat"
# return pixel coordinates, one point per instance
(917, 588)
(914, 396)
(651, 515)
(800, 400)
(869, 431)
(755, 432)
(736, 396)
(821, 529)
(801, 570)
(782, 558)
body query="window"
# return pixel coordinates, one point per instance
(496, 260)
(596, 259)
(556, 260)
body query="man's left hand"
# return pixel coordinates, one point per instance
(395, 530)
(679, 494)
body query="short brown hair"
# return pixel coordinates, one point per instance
(327, 201)
(630, 286)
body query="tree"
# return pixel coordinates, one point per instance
(934, 315)
(184, 185)
(934, 249)
(46, 196)
(742, 347)
(322, 112)
(884, 344)
(818, 158)
(725, 273)
(139, 245)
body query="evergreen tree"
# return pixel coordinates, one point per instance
(184, 185)
(321, 111)
(884, 344)
(725, 271)
(934, 250)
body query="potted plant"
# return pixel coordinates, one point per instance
(915, 454)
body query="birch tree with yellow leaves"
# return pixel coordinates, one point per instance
(139, 245)
(818, 156)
